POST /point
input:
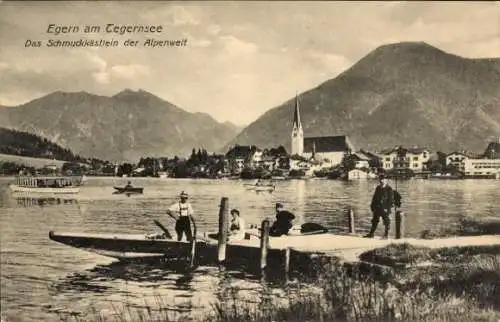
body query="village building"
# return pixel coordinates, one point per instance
(329, 149)
(239, 156)
(457, 159)
(361, 160)
(482, 168)
(488, 165)
(414, 158)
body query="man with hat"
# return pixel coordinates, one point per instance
(182, 211)
(381, 205)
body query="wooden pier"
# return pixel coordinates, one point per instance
(288, 254)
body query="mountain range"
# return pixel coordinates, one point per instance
(123, 127)
(409, 94)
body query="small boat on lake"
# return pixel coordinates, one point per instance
(261, 186)
(47, 184)
(134, 246)
(128, 190)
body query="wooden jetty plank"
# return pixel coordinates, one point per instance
(349, 248)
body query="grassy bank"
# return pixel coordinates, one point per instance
(454, 284)
(465, 226)
(345, 298)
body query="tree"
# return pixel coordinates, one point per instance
(192, 158)
(348, 162)
(125, 168)
(434, 166)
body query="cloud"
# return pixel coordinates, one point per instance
(97, 61)
(129, 71)
(332, 62)
(247, 56)
(101, 77)
(214, 29)
(236, 47)
(171, 15)
(181, 17)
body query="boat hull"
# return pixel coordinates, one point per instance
(135, 246)
(125, 246)
(48, 190)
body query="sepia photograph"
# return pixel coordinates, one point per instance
(249, 161)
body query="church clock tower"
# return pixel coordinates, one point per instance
(297, 131)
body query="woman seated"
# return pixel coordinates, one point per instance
(237, 226)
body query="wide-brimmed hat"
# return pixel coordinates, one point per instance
(382, 176)
(233, 211)
(183, 194)
(279, 205)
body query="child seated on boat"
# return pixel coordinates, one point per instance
(237, 226)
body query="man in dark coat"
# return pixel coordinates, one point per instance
(283, 222)
(382, 202)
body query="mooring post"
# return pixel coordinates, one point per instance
(287, 262)
(193, 244)
(264, 244)
(350, 219)
(223, 229)
(399, 224)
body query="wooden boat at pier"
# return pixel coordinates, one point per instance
(124, 246)
(47, 184)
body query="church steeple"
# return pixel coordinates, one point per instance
(297, 131)
(296, 115)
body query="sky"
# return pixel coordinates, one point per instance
(241, 58)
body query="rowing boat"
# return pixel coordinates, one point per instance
(128, 190)
(134, 246)
(263, 188)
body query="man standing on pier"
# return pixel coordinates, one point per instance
(381, 205)
(182, 211)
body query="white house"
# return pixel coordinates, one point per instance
(361, 160)
(457, 159)
(417, 158)
(256, 157)
(481, 167)
(412, 158)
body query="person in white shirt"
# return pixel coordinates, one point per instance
(237, 226)
(182, 211)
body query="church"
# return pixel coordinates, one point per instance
(321, 148)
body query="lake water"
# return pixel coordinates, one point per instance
(42, 280)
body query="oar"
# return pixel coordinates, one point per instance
(165, 230)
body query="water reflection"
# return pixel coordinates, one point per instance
(31, 263)
(47, 201)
